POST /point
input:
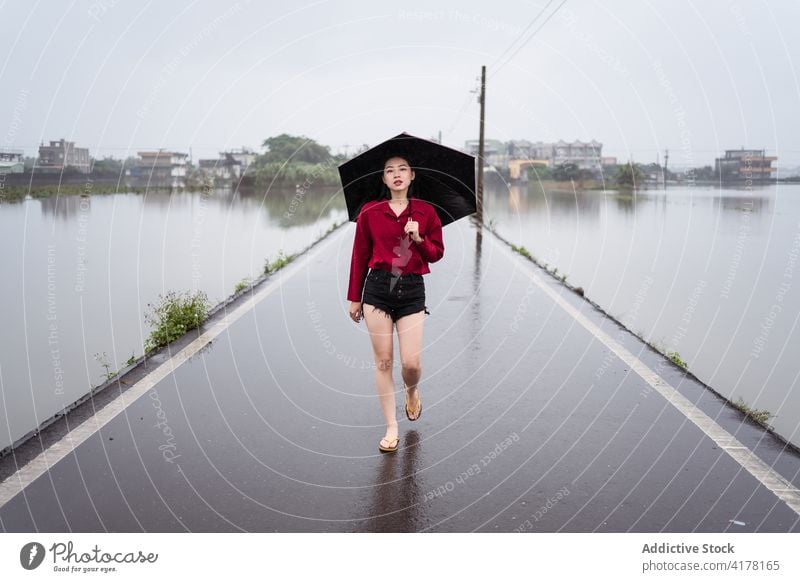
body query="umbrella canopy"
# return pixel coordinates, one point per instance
(443, 176)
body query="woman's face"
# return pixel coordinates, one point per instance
(397, 174)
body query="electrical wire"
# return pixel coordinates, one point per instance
(553, 13)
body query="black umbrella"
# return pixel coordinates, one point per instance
(443, 176)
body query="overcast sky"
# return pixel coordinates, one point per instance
(117, 76)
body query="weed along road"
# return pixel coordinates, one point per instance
(540, 414)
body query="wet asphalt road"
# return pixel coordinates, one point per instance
(529, 424)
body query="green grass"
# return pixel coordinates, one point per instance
(760, 416)
(103, 360)
(676, 358)
(175, 314)
(562, 277)
(332, 227)
(554, 271)
(242, 285)
(522, 250)
(278, 263)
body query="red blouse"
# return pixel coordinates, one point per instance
(381, 242)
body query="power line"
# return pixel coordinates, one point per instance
(467, 101)
(546, 20)
(521, 34)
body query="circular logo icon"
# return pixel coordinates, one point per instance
(31, 555)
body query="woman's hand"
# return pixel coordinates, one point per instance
(356, 311)
(412, 229)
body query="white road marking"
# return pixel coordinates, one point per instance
(765, 474)
(38, 466)
(42, 463)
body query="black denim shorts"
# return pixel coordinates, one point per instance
(396, 295)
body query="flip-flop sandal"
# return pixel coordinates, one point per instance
(383, 449)
(419, 407)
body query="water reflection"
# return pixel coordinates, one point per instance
(64, 207)
(397, 500)
(287, 207)
(563, 201)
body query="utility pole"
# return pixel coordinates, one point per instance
(481, 146)
(440, 137)
(666, 161)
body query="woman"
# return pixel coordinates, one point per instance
(396, 237)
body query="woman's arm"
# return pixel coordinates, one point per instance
(359, 262)
(432, 246)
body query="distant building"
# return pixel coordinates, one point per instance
(494, 151)
(244, 156)
(159, 168)
(518, 149)
(542, 151)
(12, 162)
(230, 165)
(62, 154)
(219, 168)
(653, 173)
(608, 162)
(585, 155)
(744, 164)
(521, 154)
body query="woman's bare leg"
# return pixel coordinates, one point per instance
(409, 333)
(381, 329)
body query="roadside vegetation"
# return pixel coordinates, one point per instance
(281, 261)
(760, 416)
(174, 315)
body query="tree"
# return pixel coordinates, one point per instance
(537, 172)
(566, 172)
(629, 174)
(706, 173)
(70, 170)
(107, 165)
(289, 148)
